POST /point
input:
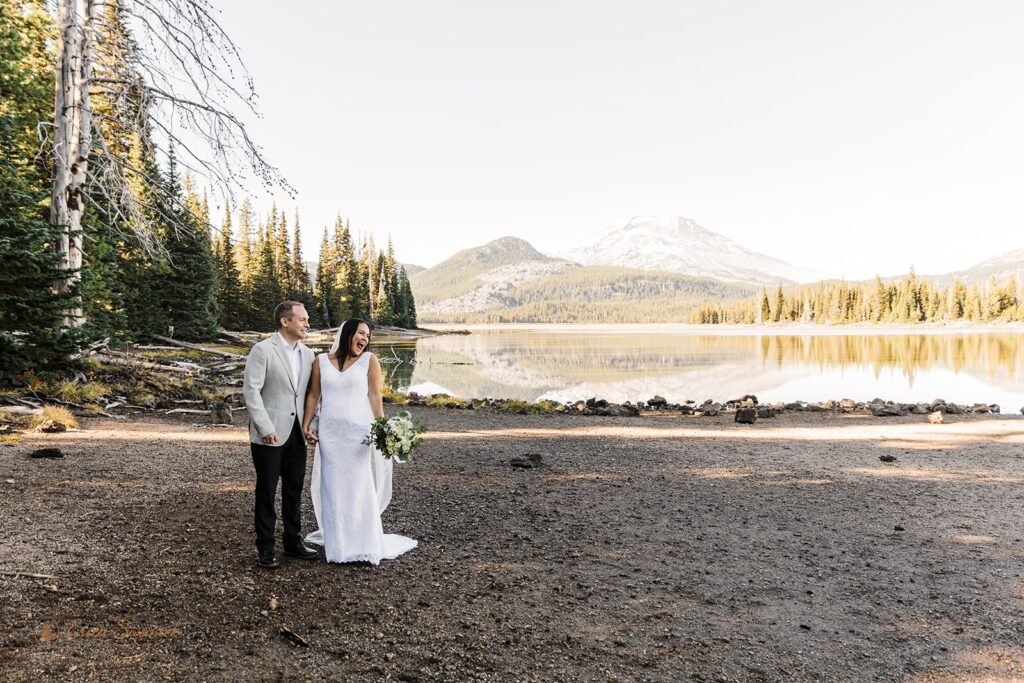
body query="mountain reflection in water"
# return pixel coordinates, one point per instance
(621, 363)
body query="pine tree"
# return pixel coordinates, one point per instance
(385, 316)
(266, 286)
(188, 289)
(301, 290)
(230, 298)
(324, 292)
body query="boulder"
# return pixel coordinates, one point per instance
(935, 418)
(993, 408)
(954, 409)
(710, 409)
(820, 407)
(796, 405)
(657, 402)
(527, 461)
(46, 453)
(980, 408)
(848, 404)
(766, 412)
(920, 409)
(688, 409)
(746, 415)
(220, 414)
(886, 410)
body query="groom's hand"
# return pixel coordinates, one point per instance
(312, 436)
(270, 438)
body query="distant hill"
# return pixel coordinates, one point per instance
(482, 273)
(412, 268)
(1002, 266)
(680, 245)
(507, 280)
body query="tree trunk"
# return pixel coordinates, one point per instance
(72, 141)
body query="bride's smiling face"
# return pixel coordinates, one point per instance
(360, 340)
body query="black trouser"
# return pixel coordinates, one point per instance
(286, 462)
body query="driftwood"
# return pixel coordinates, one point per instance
(197, 347)
(146, 365)
(187, 411)
(236, 339)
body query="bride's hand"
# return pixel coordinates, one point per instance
(312, 436)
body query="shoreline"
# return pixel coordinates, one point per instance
(735, 329)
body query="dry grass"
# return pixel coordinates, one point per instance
(53, 415)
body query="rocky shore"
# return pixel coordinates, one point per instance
(747, 409)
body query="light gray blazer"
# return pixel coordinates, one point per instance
(272, 398)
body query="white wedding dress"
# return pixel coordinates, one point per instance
(351, 483)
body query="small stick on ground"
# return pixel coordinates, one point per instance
(28, 575)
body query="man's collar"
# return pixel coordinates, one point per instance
(293, 347)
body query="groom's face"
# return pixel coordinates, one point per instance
(297, 325)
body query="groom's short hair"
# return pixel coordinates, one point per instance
(285, 309)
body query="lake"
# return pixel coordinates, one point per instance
(679, 362)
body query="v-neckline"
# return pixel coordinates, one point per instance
(342, 371)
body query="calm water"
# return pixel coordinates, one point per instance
(621, 363)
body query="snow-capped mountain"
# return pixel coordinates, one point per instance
(680, 245)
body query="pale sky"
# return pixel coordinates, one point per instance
(852, 138)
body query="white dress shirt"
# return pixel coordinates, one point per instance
(292, 351)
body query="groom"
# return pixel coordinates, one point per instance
(276, 376)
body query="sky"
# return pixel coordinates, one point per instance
(852, 138)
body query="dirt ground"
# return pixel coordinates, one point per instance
(658, 548)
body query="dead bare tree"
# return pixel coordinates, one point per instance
(168, 76)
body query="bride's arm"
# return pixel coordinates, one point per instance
(312, 402)
(376, 387)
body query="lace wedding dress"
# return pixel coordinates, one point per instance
(351, 483)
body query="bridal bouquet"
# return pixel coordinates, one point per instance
(396, 437)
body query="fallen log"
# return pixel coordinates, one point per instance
(197, 347)
(236, 339)
(143, 365)
(186, 411)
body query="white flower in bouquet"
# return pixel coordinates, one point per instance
(396, 437)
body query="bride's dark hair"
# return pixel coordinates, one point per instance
(344, 348)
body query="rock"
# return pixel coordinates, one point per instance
(657, 402)
(920, 409)
(993, 408)
(1022, 411)
(50, 427)
(796, 405)
(220, 414)
(766, 412)
(887, 458)
(820, 407)
(580, 406)
(709, 409)
(688, 410)
(47, 453)
(980, 408)
(527, 461)
(898, 528)
(746, 415)
(954, 409)
(935, 418)
(886, 410)
(938, 402)
(8, 481)
(848, 404)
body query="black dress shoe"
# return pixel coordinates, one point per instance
(268, 560)
(301, 551)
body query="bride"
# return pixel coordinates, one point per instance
(351, 483)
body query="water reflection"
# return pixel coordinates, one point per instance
(634, 363)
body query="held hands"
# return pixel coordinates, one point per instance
(312, 436)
